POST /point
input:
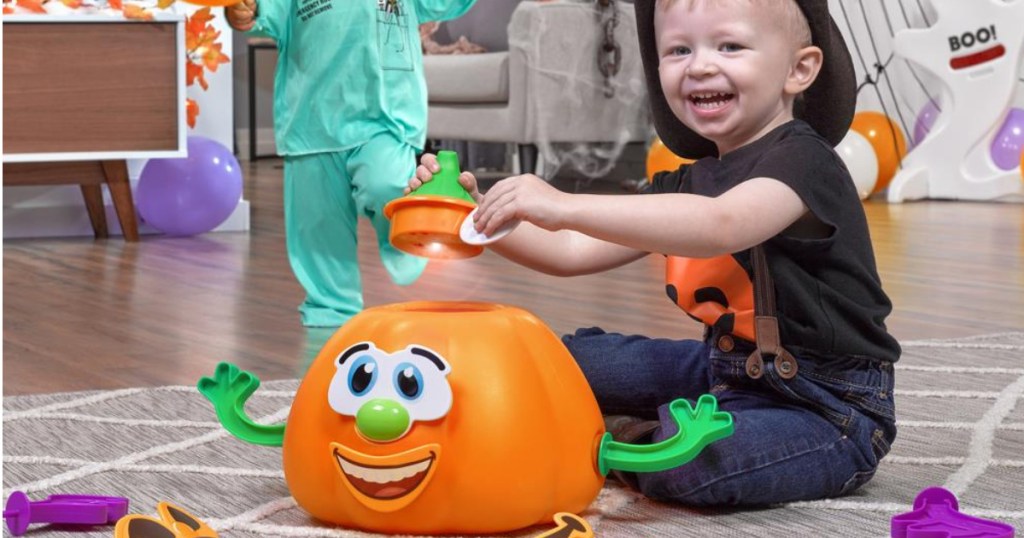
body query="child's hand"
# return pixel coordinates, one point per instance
(428, 167)
(241, 16)
(526, 197)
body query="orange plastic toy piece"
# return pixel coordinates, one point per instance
(427, 221)
(496, 428)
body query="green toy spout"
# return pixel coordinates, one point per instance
(698, 428)
(228, 390)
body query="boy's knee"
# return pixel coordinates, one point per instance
(584, 342)
(581, 335)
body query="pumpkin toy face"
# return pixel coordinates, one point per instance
(443, 418)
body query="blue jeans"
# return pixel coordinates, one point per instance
(819, 434)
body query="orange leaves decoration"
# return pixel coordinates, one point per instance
(135, 12)
(201, 47)
(202, 52)
(35, 6)
(191, 111)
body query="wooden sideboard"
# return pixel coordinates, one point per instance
(82, 94)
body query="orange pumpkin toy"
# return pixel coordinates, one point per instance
(443, 418)
(501, 372)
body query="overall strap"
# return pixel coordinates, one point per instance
(766, 325)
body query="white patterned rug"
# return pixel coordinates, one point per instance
(961, 426)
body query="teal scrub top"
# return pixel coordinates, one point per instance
(349, 69)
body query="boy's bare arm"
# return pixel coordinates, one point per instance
(241, 16)
(598, 232)
(564, 252)
(690, 225)
(675, 224)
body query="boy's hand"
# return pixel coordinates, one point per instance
(428, 167)
(241, 16)
(526, 197)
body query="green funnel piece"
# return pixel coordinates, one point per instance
(446, 180)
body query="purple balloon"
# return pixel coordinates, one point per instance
(191, 195)
(925, 119)
(1009, 142)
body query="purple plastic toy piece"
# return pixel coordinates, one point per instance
(937, 514)
(117, 507)
(19, 512)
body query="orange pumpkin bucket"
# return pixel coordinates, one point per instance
(427, 221)
(437, 418)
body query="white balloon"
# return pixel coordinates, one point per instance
(860, 160)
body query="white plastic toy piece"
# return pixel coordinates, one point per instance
(974, 48)
(469, 234)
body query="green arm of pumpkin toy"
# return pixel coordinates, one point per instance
(698, 428)
(228, 390)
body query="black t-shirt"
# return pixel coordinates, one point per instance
(829, 297)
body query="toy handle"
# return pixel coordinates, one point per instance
(228, 390)
(698, 428)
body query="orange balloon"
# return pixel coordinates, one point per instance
(443, 418)
(888, 141)
(661, 159)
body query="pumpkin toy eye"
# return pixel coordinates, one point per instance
(363, 375)
(408, 381)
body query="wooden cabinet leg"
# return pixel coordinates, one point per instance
(121, 194)
(93, 195)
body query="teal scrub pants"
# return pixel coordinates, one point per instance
(324, 194)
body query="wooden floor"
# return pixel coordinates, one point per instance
(80, 314)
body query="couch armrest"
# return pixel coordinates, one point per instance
(555, 81)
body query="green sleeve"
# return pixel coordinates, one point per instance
(271, 19)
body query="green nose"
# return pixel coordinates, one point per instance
(382, 420)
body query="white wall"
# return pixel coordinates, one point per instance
(60, 211)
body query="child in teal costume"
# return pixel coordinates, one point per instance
(350, 115)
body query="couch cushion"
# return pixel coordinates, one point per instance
(467, 78)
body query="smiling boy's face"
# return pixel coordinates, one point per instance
(730, 69)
